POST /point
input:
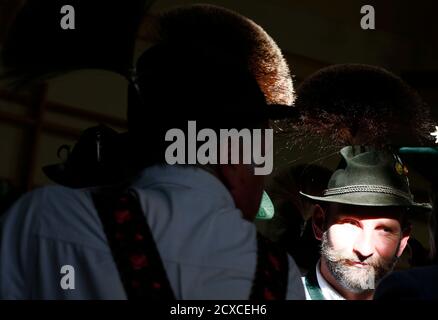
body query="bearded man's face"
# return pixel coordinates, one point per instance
(361, 245)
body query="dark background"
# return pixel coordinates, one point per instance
(312, 35)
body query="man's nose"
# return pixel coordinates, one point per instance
(363, 246)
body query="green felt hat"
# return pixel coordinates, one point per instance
(368, 177)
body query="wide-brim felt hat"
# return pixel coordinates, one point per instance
(369, 177)
(94, 159)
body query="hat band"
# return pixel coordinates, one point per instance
(367, 188)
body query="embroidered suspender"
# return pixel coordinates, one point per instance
(139, 263)
(272, 271)
(133, 247)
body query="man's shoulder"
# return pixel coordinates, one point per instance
(425, 271)
(41, 200)
(58, 213)
(41, 194)
(296, 289)
(29, 203)
(416, 283)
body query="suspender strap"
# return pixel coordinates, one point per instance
(312, 285)
(139, 263)
(272, 271)
(134, 251)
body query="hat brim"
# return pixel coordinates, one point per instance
(378, 200)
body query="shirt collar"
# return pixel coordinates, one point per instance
(327, 290)
(189, 176)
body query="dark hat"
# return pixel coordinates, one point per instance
(210, 62)
(369, 177)
(93, 161)
(355, 104)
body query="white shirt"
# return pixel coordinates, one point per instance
(208, 250)
(328, 292)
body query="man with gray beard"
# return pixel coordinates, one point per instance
(362, 223)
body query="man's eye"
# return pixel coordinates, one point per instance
(385, 229)
(348, 221)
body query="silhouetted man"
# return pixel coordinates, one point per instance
(206, 64)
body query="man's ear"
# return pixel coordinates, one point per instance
(228, 172)
(406, 233)
(230, 176)
(318, 221)
(245, 187)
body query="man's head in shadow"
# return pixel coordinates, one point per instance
(215, 67)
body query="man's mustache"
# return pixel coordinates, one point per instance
(349, 258)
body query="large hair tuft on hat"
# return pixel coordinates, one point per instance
(355, 104)
(234, 40)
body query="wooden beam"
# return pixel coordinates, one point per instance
(25, 99)
(48, 126)
(66, 132)
(86, 114)
(39, 106)
(16, 119)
